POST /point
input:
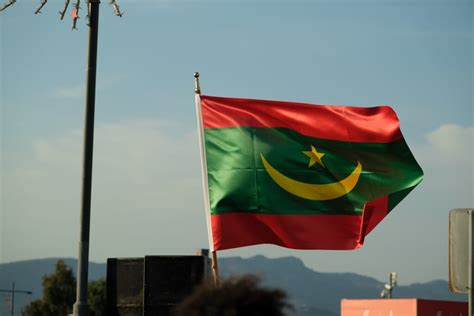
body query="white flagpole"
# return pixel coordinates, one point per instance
(205, 186)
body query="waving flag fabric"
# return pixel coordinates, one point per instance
(299, 175)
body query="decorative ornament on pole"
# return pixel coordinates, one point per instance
(7, 4)
(115, 8)
(74, 12)
(63, 12)
(38, 10)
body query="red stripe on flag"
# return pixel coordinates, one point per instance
(374, 213)
(339, 232)
(344, 123)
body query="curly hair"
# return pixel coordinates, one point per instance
(234, 297)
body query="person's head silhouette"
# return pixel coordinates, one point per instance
(234, 297)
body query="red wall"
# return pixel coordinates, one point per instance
(402, 307)
(441, 308)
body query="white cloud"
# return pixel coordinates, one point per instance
(451, 143)
(75, 91)
(78, 90)
(147, 195)
(446, 158)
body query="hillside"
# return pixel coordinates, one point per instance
(311, 289)
(312, 292)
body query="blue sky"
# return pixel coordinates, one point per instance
(414, 55)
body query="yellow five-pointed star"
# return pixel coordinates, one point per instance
(315, 157)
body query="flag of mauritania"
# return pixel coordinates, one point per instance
(299, 175)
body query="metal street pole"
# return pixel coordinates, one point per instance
(12, 293)
(13, 298)
(81, 308)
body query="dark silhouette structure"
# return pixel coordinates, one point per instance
(153, 285)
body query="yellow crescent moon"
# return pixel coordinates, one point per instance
(315, 192)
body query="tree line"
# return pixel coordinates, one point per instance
(59, 294)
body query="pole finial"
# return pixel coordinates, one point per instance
(197, 87)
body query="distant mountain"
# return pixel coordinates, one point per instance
(310, 289)
(311, 292)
